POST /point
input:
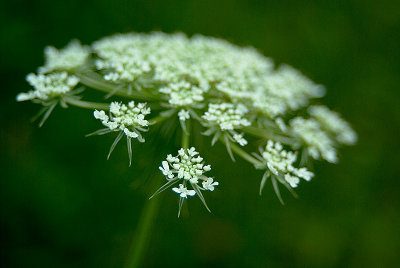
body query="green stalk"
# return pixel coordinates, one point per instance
(186, 137)
(240, 152)
(157, 119)
(87, 104)
(142, 235)
(95, 81)
(264, 133)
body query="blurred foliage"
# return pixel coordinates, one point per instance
(64, 205)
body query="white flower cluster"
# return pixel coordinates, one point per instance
(182, 94)
(70, 58)
(127, 118)
(226, 115)
(229, 90)
(333, 123)
(48, 86)
(280, 163)
(188, 167)
(318, 143)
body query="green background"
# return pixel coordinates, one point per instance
(64, 205)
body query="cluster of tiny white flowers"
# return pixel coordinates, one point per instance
(318, 143)
(127, 118)
(187, 167)
(70, 58)
(123, 68)
(48, 86)
(332, 122)
(182, 94)
(226, 115)
(280, 162)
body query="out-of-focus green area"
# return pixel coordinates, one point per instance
(64, 205)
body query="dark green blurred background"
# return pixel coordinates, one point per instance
(64, 205)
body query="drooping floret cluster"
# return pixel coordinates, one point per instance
(188, 168)
(198, 85)
(48, 86)
(127, 119)
(332, 123)
(71, 57)
(280, 164)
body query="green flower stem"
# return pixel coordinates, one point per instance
(95, 81)
(142, 235)
(185, 136)
(157, 119)
(266, 134)
(87, 104)
(242, 153)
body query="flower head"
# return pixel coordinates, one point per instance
(317, 141)
(128, 118)
(226, 116)
(332, 122)
(187, 167)
(48, 86)
(281, 162)
(69, 58)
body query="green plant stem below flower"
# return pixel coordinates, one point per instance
(142, 235)
(267, 134)
(157, 119)
(236, 149)
(185, 136)
(95, 81)
(87, 104)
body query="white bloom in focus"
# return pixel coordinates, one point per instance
(210, 184)
(182, 94)
(183, 191)
(226, 115)
(187, 167)
(165, 170)
(280, 162)
(48, 86)
(69, 58)
(332, 122)
(127, 118)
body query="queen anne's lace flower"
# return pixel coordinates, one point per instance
(188, 167)
(226, 117)
(212, 86)
(128, 118)
(48, 86)
(69, 58)
(280, 163)
(318, 143)
(332, 122)
(182, 94)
